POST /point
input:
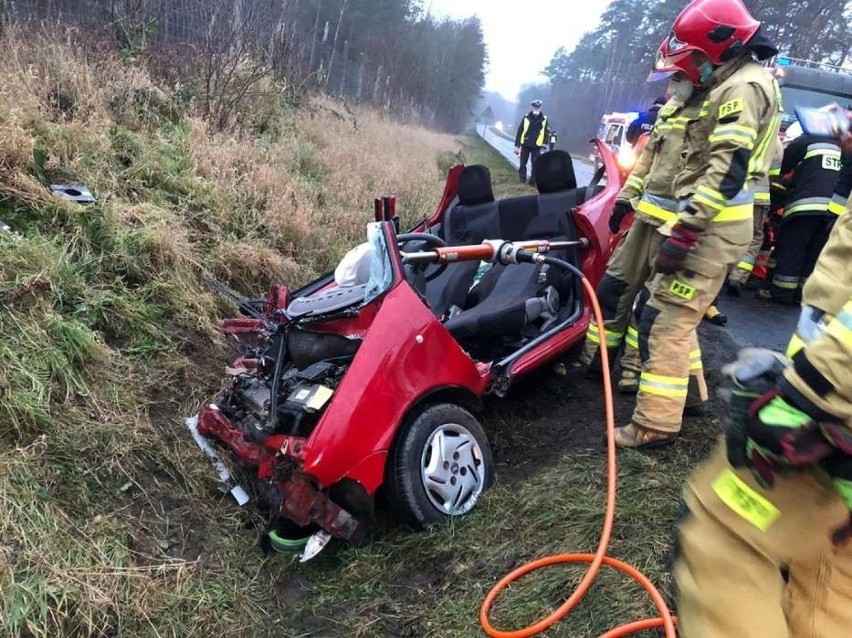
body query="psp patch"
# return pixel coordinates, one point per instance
(682, 290)
(668, 109)
(732, 106)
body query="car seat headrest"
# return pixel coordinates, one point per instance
(475, 185)
(554, 172)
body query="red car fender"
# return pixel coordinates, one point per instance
(406, 354)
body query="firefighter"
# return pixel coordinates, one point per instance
(529, 140)
(815, 166)
(645, 122)
(762, 205)
(777, 495)
(718, 131)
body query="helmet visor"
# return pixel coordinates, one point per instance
(667, 64)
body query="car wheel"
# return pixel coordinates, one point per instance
(440, 465)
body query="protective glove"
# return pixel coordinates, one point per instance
(674, 250)
(755, 372)
(763, 429)
(838, 466)
(782, 435)
(618, 213)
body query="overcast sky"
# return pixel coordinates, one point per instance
(523, 36)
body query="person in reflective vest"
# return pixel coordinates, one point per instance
(529, 140)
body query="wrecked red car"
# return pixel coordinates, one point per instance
(370, 377)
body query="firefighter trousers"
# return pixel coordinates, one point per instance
(800, 241)
(629, 268)
(744, 268)
(672, 376)
(737, 540)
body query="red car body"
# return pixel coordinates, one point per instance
(406, 357)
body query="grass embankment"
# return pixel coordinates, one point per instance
(111, 523)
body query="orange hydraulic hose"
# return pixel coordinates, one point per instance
(665, 620)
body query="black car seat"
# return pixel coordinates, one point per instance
(506, 300)
(472, 220)
(554, 172)
(558, 192)
(508, 297)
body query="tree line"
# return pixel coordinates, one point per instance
(607, 69)
(389, 53)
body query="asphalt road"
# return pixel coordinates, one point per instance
(752, 322)
(583, 170)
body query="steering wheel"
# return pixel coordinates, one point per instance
(430, 239)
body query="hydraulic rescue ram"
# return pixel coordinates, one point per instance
(491, 250)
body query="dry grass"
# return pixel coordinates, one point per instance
(111, 521)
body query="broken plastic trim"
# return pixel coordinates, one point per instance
(225, 478)
(74, 192)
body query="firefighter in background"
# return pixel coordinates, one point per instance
(815, 166)
(778, 494)
(725, 112)
(762, 205)
(529, 140)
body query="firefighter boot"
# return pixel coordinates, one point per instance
(628, 383)
(714, 316)
(638, 438)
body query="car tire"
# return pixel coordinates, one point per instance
(440, 464)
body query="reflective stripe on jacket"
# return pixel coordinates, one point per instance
(839, 199)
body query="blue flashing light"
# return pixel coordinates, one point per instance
(783, 61)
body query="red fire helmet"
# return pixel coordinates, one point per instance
(718, 29)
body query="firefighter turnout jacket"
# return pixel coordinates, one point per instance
(704, 154)
(815, 164)
(827, 290)
(837, 205)
(820, 372)
(532, 131)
